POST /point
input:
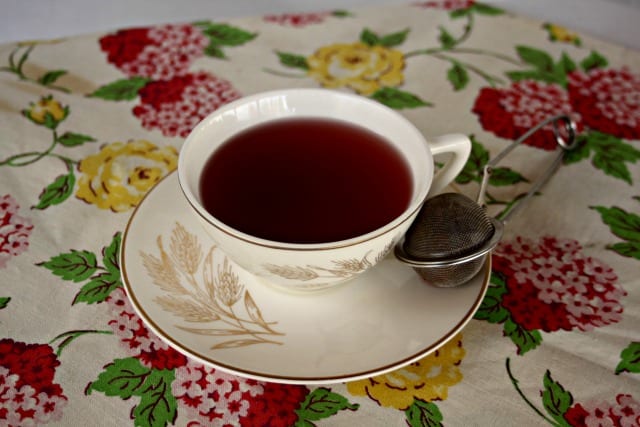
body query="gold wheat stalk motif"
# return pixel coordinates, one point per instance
(217, 298)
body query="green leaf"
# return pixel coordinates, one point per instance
(556, 399)
(4, 302)
(565, 65)
(293, 60)
(75, 265)
(447, 41)
(214, 50)
(98, 288)
(57, 192)
(594, 60)
(540, 59)
(523, 339)
(621, 223)
(630, 359)
(397, 99)
(394, 39)
(123, 378)
(158, 405)
(71, 139)
(111, 254)
(341, 13)
(505, 176)
(478, 157)
(628, 249)
(611, 154)
(516, 76)
(368, 37)
(224, 34)
(580, 152)
(323, 403)
(491, 308)
(421, 414)
(121, 90)
(458, 76)
(50, 77)
(484, 9)
(460, 13)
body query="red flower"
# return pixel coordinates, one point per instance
(297, 19)
(28, 395)
(276, 406)
(608, 100)
(625, 412)
(446, 4)
(510, 112)
(212, 397)
(551, 285)
(137, 339)
(160, 52)
(176, 105)
(14, 230)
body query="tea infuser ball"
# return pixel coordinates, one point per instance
(449, 240)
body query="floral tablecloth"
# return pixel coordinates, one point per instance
(89, 124)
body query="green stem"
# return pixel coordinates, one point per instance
(514, 381)
(33, 156)
(283, 74)
(68, 337)
(496, 55)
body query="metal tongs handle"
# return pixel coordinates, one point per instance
(564, 145)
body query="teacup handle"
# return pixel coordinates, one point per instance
(460, 147)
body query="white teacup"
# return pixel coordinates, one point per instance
(314, 266)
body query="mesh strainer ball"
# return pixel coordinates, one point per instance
(448, 241)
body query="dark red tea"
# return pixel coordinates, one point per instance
(306, 180)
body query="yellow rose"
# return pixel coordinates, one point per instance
(358, 66)
(47, 111)
(427, 379)
(121, 173)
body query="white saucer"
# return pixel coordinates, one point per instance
(381, 321)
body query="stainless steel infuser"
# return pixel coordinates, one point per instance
(449, 240)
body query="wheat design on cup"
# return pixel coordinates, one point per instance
(203, 290)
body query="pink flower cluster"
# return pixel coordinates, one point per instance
(298, 20)
(137, 339)
(159, 53)
(28, 395)
(207, 396)
(176, 105)
(552, 285)
(606, 100)
(446, 4)
(14, 230)
(175, 100)
(625, 412)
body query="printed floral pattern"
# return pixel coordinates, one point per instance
(158, 61)
(607, 100)
(168, 77)
(158, 53)
(359, 66)
(625, 412)
(136, 339)
(176, 105)
(552, 285)
(121, 173)
(427, 379)
(212, 397)
(511, 112)
(297, 20)
(14, 230)
(28, 395)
